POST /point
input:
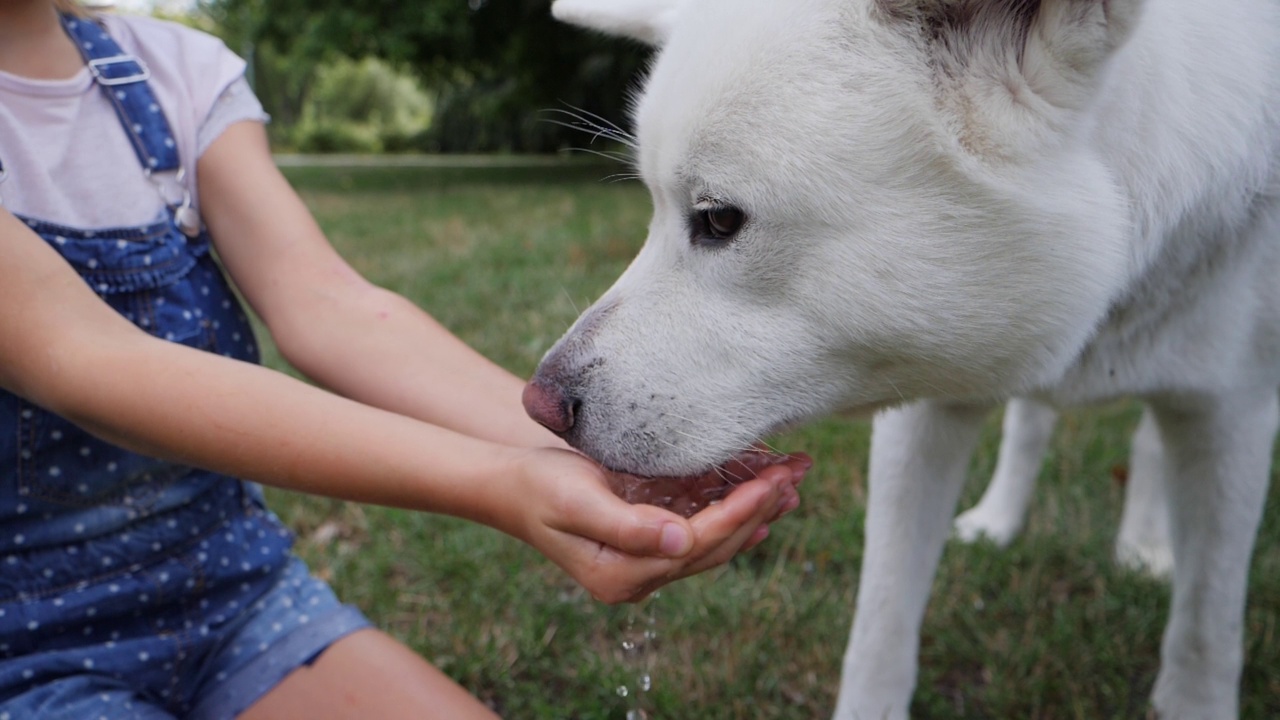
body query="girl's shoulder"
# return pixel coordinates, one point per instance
(165, 39)
(190, 66)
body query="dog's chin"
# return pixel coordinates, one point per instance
(686, 495)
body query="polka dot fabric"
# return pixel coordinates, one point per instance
(199, 634)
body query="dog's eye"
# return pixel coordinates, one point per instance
(717, 225)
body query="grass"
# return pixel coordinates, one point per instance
(1047, 629)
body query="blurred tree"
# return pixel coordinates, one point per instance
(360, 106)
(496, 66)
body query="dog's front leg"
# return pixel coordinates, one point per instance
(1217, 459)
(918, 459)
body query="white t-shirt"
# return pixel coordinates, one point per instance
(67, 156)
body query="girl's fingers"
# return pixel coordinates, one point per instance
(595, 513)
(758, 537)
(621, 552)
(728, 533)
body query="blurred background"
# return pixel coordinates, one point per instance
(437, 76)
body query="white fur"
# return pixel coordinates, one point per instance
(950, 205)
(649, 21)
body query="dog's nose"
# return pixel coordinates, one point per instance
(549, 405)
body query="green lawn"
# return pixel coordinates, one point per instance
(1047, 629)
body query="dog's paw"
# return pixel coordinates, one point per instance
(871, 713)
(1151, 559)
(982, 523)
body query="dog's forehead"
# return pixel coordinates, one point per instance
(783, 74)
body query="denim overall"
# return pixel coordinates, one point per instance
(132, 587)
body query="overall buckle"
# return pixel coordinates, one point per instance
(97, 67)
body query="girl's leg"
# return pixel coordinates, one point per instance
(368, 674)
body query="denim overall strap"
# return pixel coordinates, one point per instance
(123, 78)
(59, 484)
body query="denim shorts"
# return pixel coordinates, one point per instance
(200, 630)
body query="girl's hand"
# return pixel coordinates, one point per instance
(621, 552)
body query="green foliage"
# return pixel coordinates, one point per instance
(1049, 630)
(369, 92)
(283, 83)
(494, 64)
(361, 106)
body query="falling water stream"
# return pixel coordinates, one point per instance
(639, 640)
(683, 496)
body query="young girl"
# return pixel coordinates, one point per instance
(139, 578)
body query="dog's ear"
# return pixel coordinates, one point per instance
(1069, 44)
(1059, 46)
(649, 21)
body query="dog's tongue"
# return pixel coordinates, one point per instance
(687, 495)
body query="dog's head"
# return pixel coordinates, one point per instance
(856, 202)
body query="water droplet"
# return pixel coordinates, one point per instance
(639, 653)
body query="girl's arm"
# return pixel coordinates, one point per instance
(66, 350)
(357, 339)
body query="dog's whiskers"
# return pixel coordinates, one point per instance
(591, 119)
(593, 127)
(769, 449)
(941, 392)
(569, 297)
(613, 156)
(594, 131)
(598, 127)
(724, 475)
(895, 389)
(752, 447)
(621, 177)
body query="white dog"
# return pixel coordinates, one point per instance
(1143, 543)
(927, 207)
